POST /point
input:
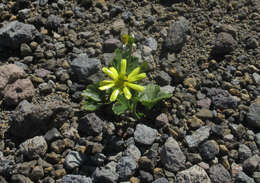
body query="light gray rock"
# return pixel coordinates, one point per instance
(126, 167)
(76, 179)
(133, 151)
(161, 180)
(198, 136)
(144, 134)
(177, 34)
(219, 174)
(192, 175)
(244, 152)
(34, 147)
(106, 174)
(171, 155)
(15, 33)
(151, 43)
(243, 178)
(83, 66)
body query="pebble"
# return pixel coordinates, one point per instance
(242, 177)
(198, 136)
(34, 147)
(209, 149)
(52, 134)
(126, 167)
(83, 67)
(91, 124)
(107, 173)
(73, 159)
(76, 178)
(224, 44)
(191, 175)
(172, 157)
(177, 34)
(13, 34)
(219, 174)
(161, 180)
(110, 45)
(244, 152)
(144, 134)
(133, 151)
(253, 116)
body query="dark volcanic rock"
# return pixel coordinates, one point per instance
(224, 44)
(15, 33)
(209, 149)
(253, 116)
(34, 119)
(91, 124)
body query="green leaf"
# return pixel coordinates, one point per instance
(90, 105)
(152, 95)
(121, 105)
(92, 92)
(116, 61)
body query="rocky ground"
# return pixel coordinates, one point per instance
(207, 53)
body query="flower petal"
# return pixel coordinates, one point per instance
(123, 67)
(106, 82)
(114, 71)
(105, 87)
(127, 93)
(134, 72)
(137, 77)
(114, 95)
(109, 73)
(135, 86)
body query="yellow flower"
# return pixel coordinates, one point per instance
(120, 82)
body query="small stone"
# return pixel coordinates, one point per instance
(52, 134)
(242, 177)
(250, 164)
(37, 173)
(25, 49)
(209, 149)
(192, 175)
(145, 176)
(161, 180)
(91, 124)
(151, 43)
(144, 134)
(34, 147)
(163, 78)
(253, 116)
(133, 151)
(171, 155)
(205, 114)
(110, 45)
(244, 152)
(75, 179)
(198, 136)
(224, 44)
(177, 34)
(15, 33)
(20, 178)
(218, 174)
(162, 120)
(257, 139)
(53, 22)
(118, 26)
(60, 173)
(83, 67)
(190, 82)
(73, 159)
(126, 167)
(106, 174)
(21, 89)
(256, 176)
(235, 169)
(256, 78)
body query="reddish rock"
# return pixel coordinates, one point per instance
(19, 90)
(9, 73)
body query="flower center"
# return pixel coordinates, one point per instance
(120, 82)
